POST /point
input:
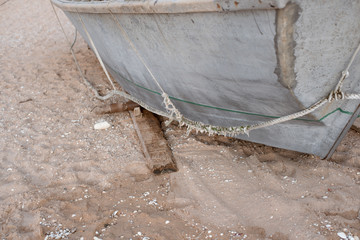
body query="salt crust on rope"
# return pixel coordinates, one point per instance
(174, 114)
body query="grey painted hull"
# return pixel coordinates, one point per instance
(238, 63)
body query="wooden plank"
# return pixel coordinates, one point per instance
(356, 125)
(155, 147)
(115, 107)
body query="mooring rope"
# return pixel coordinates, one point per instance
(174, 114)
(169, 106)
(111, 93)
(96, 51)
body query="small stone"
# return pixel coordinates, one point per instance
(114, 213)
(101, 125)
(342, 235)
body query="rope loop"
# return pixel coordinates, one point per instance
(336, 95)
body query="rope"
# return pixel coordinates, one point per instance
(345, 73)
(96, 52)
(88, 84)
(169, 106)
(173, 112)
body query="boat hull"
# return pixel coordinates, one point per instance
(225, 66)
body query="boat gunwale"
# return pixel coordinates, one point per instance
(166, 6)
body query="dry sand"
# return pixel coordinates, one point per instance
(60, 177)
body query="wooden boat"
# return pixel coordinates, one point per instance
(231, 63)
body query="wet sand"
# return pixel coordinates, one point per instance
(59, 177)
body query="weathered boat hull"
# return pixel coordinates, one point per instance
(231, 64)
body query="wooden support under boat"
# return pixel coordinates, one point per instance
(158, 155)
(115, 107)
(356, 125)
(155, 147)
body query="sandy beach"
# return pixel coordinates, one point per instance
(62, 179)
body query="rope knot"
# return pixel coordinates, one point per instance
(247, 130)
(338, 95)
(345, 74)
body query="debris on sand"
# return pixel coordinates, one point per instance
(102, 125)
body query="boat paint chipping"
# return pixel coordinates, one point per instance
(285, 44)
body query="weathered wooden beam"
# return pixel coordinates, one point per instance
(155, 147)
(356, 125)
(116, 107)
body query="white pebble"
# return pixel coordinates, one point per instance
(114, 213)
(102, 125)
(342, 235)
(167, 222)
